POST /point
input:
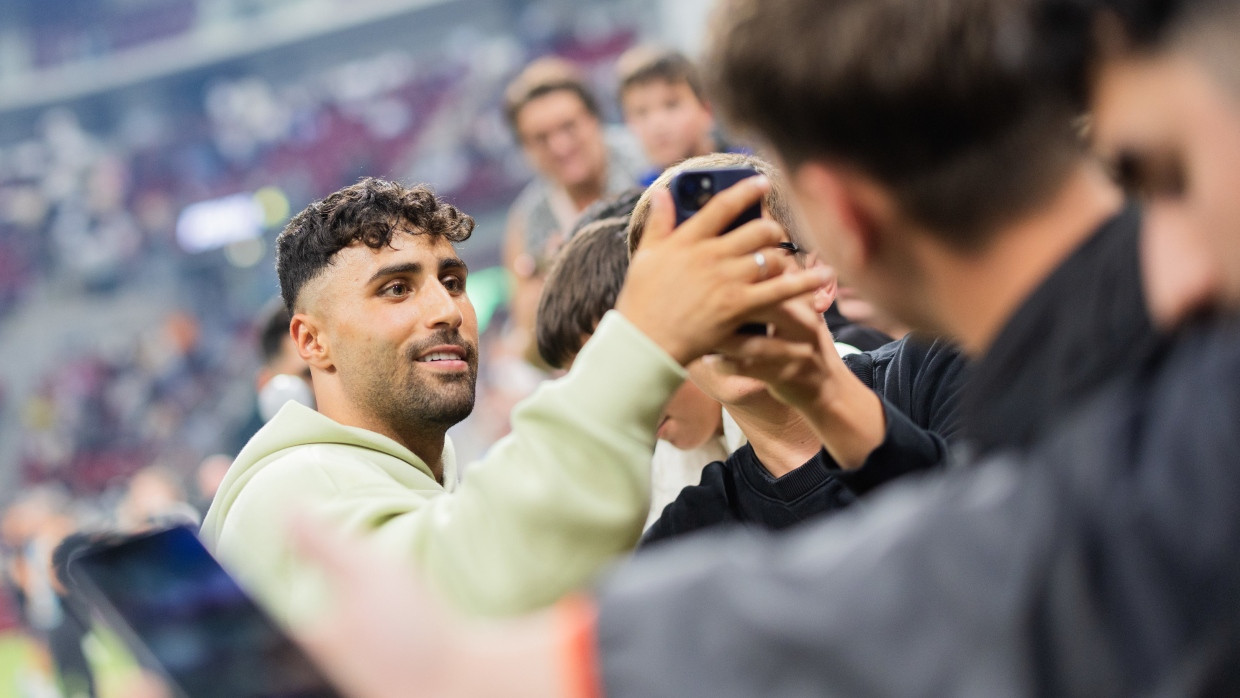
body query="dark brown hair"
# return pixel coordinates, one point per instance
(644, 64)
(369, 212)
(582, 286)
(776, 200)
(948, 103)
(542, 77)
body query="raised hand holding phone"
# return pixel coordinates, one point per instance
(689, 287)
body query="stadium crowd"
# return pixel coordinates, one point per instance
(947, 374)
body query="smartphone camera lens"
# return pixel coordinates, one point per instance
(706, 189)
(695, 191)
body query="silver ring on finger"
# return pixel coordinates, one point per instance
(761, 261)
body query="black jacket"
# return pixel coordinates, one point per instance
(1102, 562)
(1083, 326)
(740, 490)
(1086, 324)
(918, 382)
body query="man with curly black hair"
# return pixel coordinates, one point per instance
(376, 291)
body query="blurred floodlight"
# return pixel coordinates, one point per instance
(208, 225)
(246, 253)
(274, 205)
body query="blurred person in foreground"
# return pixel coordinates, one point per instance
(557, 120)
(379, 312)
(1103, 566)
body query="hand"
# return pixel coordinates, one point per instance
(690, 288)
(801, 367)
(385, 636)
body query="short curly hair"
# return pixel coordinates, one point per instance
(369, 212)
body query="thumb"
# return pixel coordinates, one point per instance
(662, 219)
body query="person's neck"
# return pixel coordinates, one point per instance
(780, 438)
(978, 293)
(425, 441)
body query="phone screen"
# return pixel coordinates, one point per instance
(164, 593)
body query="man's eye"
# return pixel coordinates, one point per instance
(454, 284)
(396, 290)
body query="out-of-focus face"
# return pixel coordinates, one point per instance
(562, 139)
(669, 120)
(881, 268)
(1173, 131)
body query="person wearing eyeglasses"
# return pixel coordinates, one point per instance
(577, 160)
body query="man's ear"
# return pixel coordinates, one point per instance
(844, 208)
(824, 296)
(311, 341)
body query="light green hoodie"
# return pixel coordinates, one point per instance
(547, 508)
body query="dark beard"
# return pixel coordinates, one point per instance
(429, 400)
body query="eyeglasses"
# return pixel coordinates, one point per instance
(791, 247)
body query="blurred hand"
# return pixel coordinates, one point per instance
(801, 367)
(384, 635)
(691, 288)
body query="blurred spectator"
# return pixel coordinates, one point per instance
(664, 106)
(207, 478)
(154, 498)
(558, 122)
(282, 375)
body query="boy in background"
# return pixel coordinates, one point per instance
(663, 104)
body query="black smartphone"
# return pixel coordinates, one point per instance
(180, 611)
(691, 190)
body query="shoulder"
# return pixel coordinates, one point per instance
(329, 469)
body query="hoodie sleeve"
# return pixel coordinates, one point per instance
(563, 494)
(545, 510)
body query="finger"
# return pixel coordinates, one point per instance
(748, 238)
(780, 288)
(758, 348)
(772, 371)
(753, 267)
(662, 220)
(724, 207)
(796, 315)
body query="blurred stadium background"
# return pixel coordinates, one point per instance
(151, 150)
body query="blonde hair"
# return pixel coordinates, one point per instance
(776, 200)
